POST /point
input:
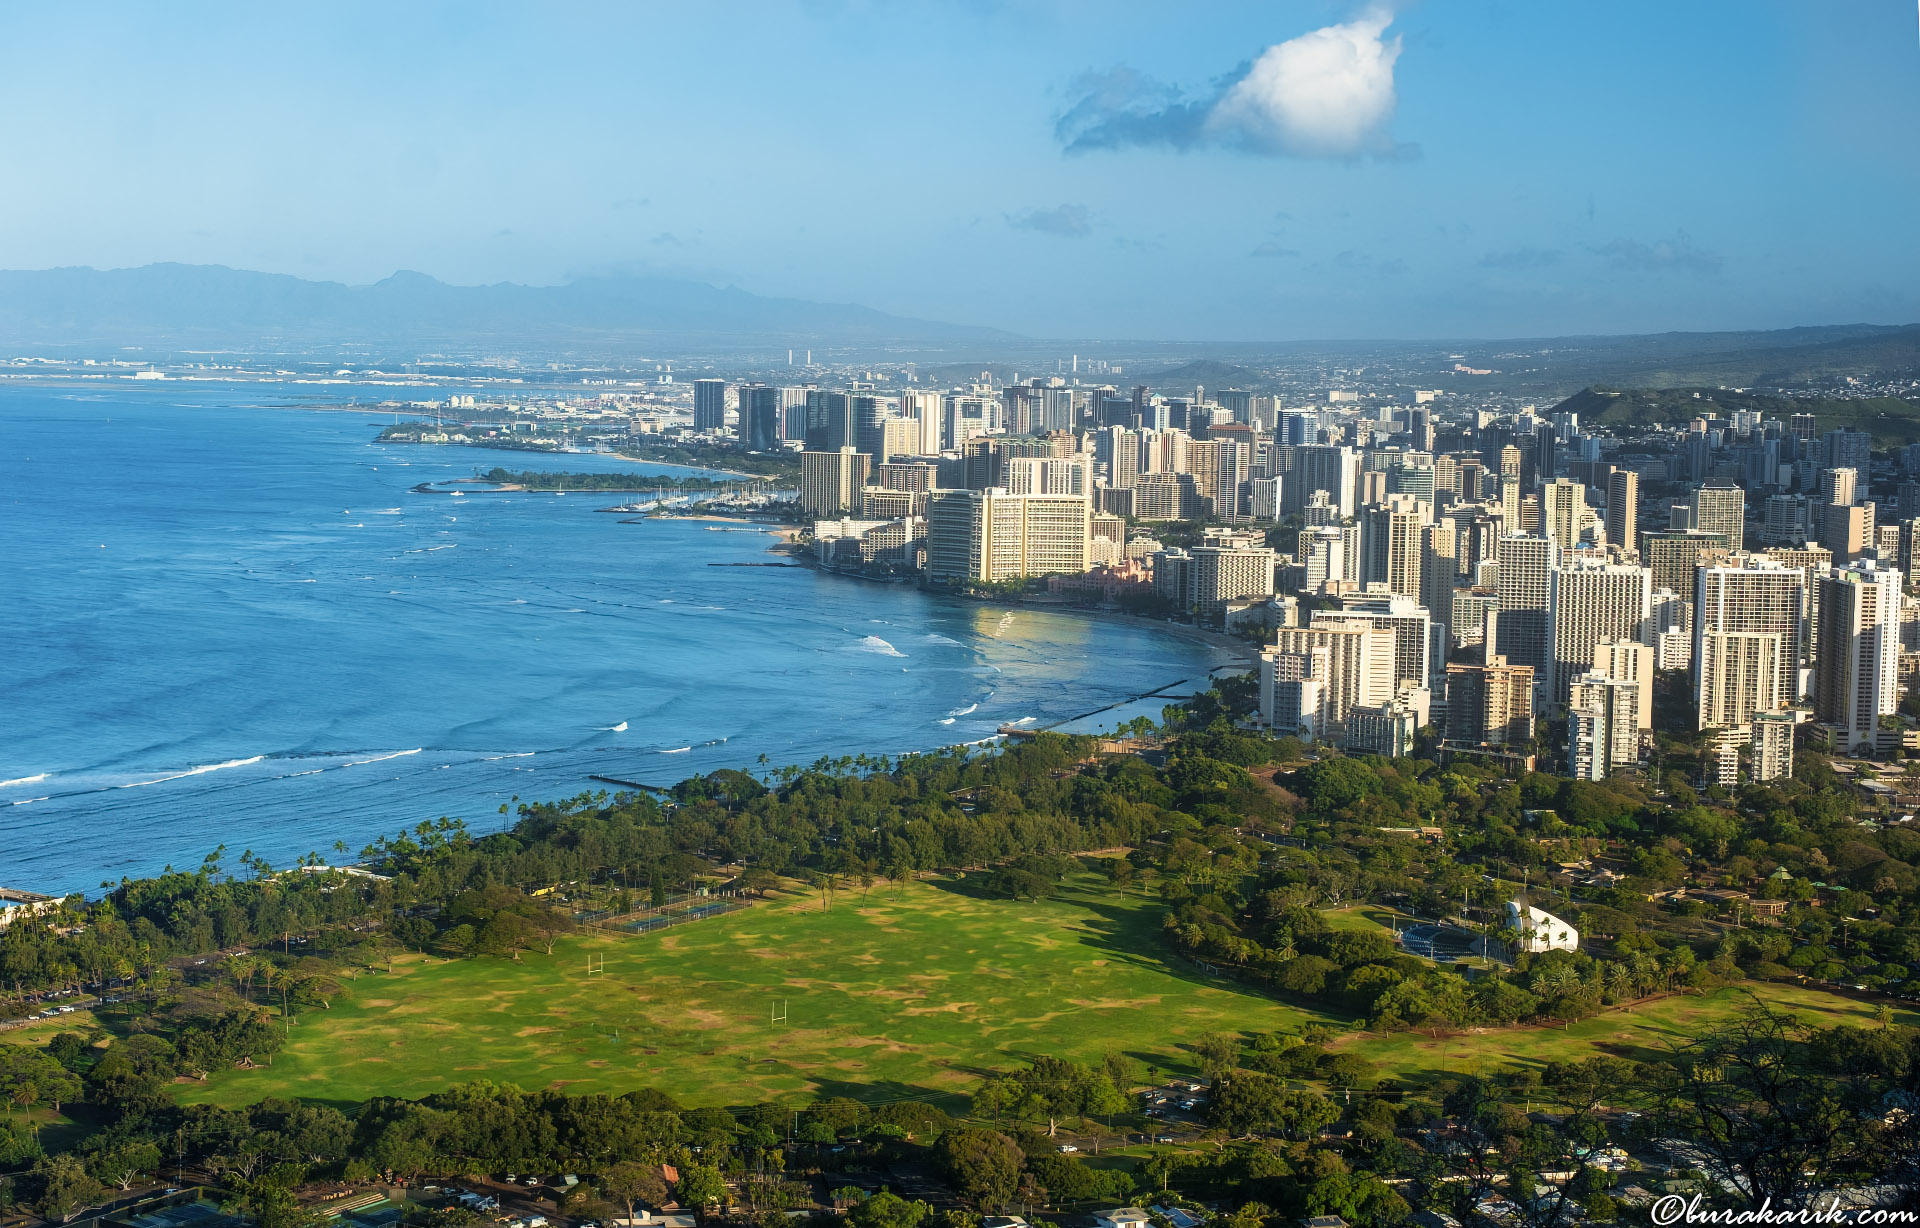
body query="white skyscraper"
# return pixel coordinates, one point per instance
(1562, 510)
(1856, 671)
(1602, 726)
(1739, 675)
(1390, 543)
(1757, 596)
(1524, 587)
(1630, 661)
(1591, 601)
(928, 411)
(1406, 618)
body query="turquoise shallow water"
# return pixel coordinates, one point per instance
(224, 622)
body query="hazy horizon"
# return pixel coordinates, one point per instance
(1309, 171)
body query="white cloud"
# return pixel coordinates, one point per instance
(1328, 94)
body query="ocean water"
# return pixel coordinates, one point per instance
(225, 621)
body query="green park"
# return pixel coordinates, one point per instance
(913, 990)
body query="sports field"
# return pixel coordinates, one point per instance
(920, 991)
(1641, 1033)
(917, 993)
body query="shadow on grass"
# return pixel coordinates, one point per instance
(1125, 927)
(891, 1091)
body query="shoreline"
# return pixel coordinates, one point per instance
(1247, 654)
(646, 460)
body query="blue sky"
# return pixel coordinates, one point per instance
(1266, 171)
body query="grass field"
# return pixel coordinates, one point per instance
(921, 991)
(1641, 1033)
(917, 993)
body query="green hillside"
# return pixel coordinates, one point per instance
(1892, 421)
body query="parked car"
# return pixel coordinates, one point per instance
(1067, 1149)
(1163, 1138)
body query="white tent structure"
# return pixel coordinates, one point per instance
(1539, 931)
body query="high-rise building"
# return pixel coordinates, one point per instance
(1602, 728)
(1721, 507)
(1839, 486)
(793, 414)
(1390, 545)
(1772, 745)
(1783, 518)
(870, 416)
(1413, 648)
(1335, 470)
(1118, 450)
(830, 482)
(1511, 462)
(709, 405)
(1512, 503)
(1856, 672)
(880, 503)
(1848, 531)
(1524, 584)
(1418, 480)
(1263, 499)
(1219, 468)
(928, 410)
(1910, 552)
(1036, 475)
(829, 421)
(1490, 705)
(1420, 427)
(1562, 508)
(1387, 731)
(1758, 596)
(1226, 567)
(993, 535)
(1293, 690)
(1847, 448)
(1359, 666)
(1298, 427)
(1439, 570)
(1623, 509)
(1167, 496)
(964, 416)
(1676, 556)
(906, 475)
(1474, 610)
(1739, 675)
(1589, 602)
(759, 426)
(1630, 661)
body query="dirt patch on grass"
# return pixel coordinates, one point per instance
(948, 1008)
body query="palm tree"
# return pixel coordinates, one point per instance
(1619, 981)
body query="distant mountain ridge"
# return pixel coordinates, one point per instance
(212, 306)
(1206, 372)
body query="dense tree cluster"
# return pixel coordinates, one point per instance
(1249, 842)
